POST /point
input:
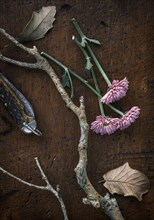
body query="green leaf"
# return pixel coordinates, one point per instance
(65, 80)
(94, 41)
(89, 65)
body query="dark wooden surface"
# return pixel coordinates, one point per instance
(125, 28)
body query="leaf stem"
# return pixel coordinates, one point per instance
(85, 42)
(115, 110)
(98, 90)
(71, 84)
(85, 82)
(93, 74)
(80, 46)
(98, 65)
(76, 25)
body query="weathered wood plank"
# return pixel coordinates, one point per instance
(125, 28)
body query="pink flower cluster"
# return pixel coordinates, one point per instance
(108, 126)
(129, 117)
(116, 91)
(104, 125)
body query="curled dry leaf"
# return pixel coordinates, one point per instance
(38, 25)
(126, 181)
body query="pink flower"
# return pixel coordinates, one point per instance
(105, 125)
(129, 117)
(116, 91)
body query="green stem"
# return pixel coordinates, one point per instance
(81, 79)
(72, 72)
(98, 65)
(71, 83)
(115, 110)
(98, 90)
(85, 83)
(93, 74)
(85, 39)
(81, 48)
(64, 67)
(54, 60)
(78, 28)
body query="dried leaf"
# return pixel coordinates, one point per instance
(38, 25)
(127, 181)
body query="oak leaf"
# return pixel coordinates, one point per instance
(126, 181)
(38, 25)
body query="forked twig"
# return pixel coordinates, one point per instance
(48, 186)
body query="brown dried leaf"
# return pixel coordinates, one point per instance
(38, 25)
(126, 181)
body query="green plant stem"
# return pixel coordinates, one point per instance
(85, 83)
(71, 83)
(76, 25)
(81, 48)
(81, 79)
(115, 110)
(85, 39)
(64, 67)
(71, 72)
(93, 74)
(98, 65)
(98, 90)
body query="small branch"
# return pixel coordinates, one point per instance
(44, 177)
(22, 181)
(48, 187)
(18, 63)
(13, 40)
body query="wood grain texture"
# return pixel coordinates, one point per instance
(125, 28)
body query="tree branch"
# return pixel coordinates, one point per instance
(18, 63)
(93, 198)
(48, 187)
(14, 41)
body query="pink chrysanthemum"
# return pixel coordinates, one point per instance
(116, 91)
(105, 125)
(129, 117)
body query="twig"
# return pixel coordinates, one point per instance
(48, 187)
(13, 40)
(93, 198)
(18, 63)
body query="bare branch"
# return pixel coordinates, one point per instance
(13, 40)
(93, 198)
(51, 189)
(18, 63)
(22, 181)
(48, 187)
(44, 177)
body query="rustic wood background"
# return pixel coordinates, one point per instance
(125, 28)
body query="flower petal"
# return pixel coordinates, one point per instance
(116, 91)
(129, 117)
(105, 125)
